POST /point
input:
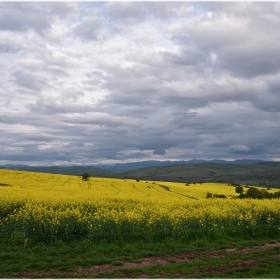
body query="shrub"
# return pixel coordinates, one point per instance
(239, 189)
(219, 196)
(85, 177)
(209, 195)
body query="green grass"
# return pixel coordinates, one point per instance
(265, 265)
(67, 257)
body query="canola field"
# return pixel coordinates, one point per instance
(40, 207)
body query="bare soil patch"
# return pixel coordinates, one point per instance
(162, 260)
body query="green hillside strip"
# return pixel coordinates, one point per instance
(207, 172)
(266, 174)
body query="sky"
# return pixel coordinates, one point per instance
(111, 82)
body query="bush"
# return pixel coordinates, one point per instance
(252, 192)
(209, 195)
(259, 194)
(219, 196)
(85, 177)
(242, 195)
(239, 189)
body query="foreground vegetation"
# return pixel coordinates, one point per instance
(53, 214)
(109, 220)
(78, 258)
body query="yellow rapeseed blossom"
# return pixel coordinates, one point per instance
(48, 206)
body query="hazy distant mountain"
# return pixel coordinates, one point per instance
(118, 167)
(95, 169)
(103, 169)
(237, 161)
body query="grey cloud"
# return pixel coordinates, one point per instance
(165, 10)
(9, 44)
(37, 16)
(16, 16)
(34, 75)
(31, 81)
(88, 28)
(244, 47)
(61, 9)
(159, 152)
(245, 61)
(257, 149)
(103, 119)
(126, 12)
(139, 81)
(239, 149)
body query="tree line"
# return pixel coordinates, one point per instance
(253, 192)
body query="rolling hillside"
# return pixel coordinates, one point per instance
(263, 173)
(56, 186)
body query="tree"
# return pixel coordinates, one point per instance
(239, 189)
(85, 177)
(242, 195)
(209, 195)
(252, 192)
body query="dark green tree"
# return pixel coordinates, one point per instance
(252, 192)
(209, 195)
(85, 177)
(239, 189)
(242, 195)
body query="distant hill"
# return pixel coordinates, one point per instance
(119, 167)
(100, 169)
(261, 173)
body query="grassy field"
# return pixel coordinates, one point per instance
(109, 221)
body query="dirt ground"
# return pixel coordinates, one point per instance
(161, 260)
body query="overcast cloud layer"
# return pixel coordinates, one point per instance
(104, 82)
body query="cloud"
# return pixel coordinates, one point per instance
(88, 82)
(239, 148)
(20, 17)
(126, 12)
(159, 152)
(88, 28)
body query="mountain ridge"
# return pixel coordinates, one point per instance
(117, 167)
